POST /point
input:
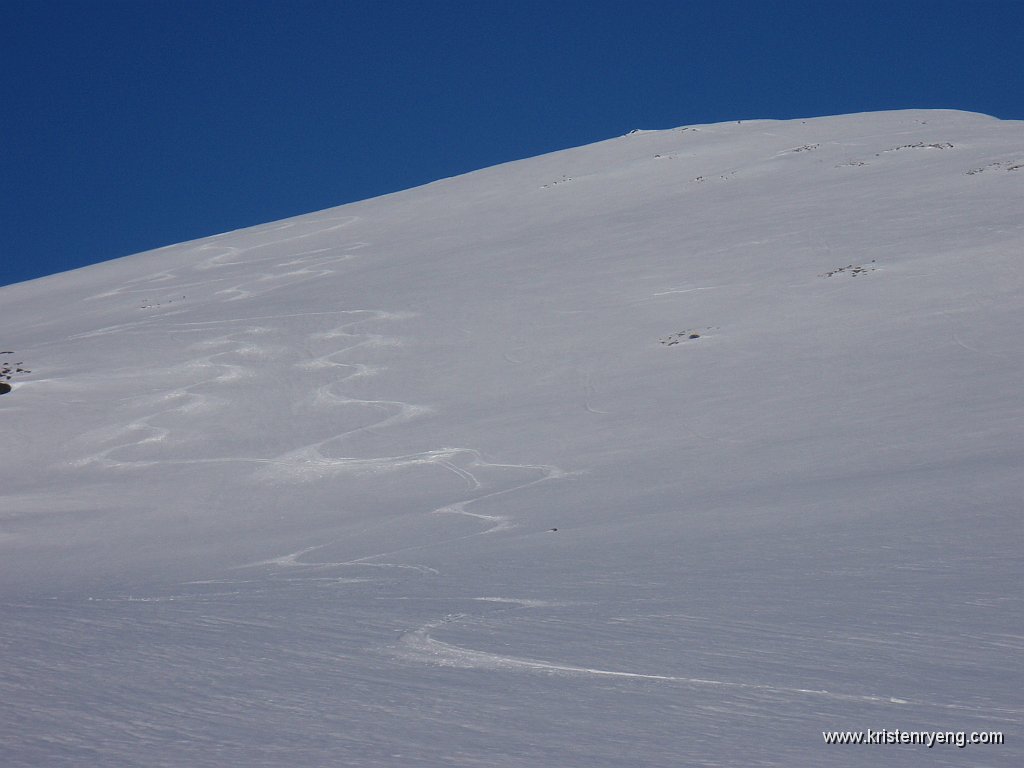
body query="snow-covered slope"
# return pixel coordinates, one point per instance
(289, 496)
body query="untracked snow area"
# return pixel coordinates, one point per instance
(673, 450)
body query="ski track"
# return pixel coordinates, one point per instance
(230, 358)
(443, 458)
(420, 646)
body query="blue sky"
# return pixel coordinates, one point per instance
(127, 126)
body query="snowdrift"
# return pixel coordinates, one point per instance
(677, 449)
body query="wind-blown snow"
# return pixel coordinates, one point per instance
(676, 449)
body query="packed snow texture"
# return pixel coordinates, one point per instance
(676, 449)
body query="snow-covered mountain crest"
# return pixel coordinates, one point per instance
(679, 448)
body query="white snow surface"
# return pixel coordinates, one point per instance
(286, 496)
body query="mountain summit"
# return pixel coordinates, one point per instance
(676, 449)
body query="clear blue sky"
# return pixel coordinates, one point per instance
(129, 125)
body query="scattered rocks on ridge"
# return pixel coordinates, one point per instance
(8, 371)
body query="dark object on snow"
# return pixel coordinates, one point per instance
(694, 335)
(4, 387)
